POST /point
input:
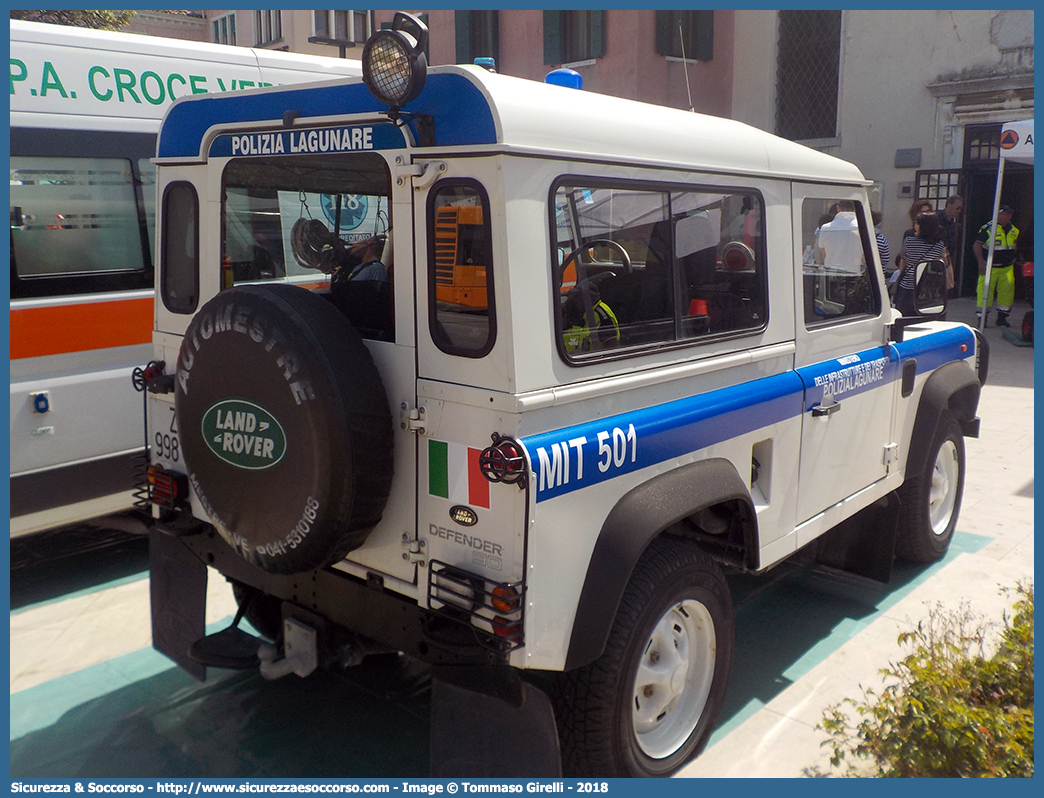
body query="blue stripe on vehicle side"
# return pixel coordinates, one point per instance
(849, 376)
(939, 348)
(569, 459)
(460, 111)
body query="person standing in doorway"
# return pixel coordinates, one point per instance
(1002, 274)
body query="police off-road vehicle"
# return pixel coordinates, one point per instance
(505, 376)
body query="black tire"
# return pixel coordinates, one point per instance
(931, 502)
(675, 602)
(264, 612)
(285, 427)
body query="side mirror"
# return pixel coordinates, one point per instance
(930, 296)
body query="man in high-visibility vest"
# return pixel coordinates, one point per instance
(589, 324)
(1002, 273)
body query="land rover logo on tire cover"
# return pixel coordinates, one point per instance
(243, 434)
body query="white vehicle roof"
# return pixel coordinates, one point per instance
(476, 108)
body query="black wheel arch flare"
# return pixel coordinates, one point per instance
(954, 387)
(638, 517)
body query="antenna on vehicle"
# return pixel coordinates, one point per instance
(685, 67)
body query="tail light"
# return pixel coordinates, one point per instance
(494, 608)
(166, 488)
(504, 599)
(503, 461)
(511, 631)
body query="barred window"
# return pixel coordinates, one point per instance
(982, 143)
(808, 72)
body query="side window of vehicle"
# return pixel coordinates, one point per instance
(836, 279)
(179, 275)
(74, 216)
(638, 268)
(460, 269)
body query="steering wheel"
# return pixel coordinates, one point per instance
(600, 242)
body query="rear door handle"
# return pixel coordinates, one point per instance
(825, 410)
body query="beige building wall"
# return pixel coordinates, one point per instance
(297, 28)
(909, 79)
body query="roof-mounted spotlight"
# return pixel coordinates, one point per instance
(393, 61)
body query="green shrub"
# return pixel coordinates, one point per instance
(948, 709)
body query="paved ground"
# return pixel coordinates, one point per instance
(90, 698)
(992, 548)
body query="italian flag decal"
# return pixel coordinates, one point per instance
(453, 473)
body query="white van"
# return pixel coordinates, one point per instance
(85, 109)
(616, 352)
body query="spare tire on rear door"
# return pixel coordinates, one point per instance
(284, 426)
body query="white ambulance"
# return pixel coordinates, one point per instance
(603, 354)
(85, 110)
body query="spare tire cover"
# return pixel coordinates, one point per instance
(285, 427)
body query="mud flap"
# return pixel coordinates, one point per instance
(865, 543)
(178, 593)
(487, 722)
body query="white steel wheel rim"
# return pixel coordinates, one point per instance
(942, 496)
(674, 679)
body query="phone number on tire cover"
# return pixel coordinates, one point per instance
(297, 534)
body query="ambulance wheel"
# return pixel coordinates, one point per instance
(1027, 327)
(285, 428)
(649, 703)
(931, 501)
(264, 612)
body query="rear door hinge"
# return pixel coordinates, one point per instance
(413, 419)
(414, 550)
(421, 173)
(891, 454)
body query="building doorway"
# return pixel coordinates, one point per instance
(981, 153)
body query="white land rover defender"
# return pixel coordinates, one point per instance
(505, 376)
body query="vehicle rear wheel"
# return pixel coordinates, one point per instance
(932, 500)
(649, 703)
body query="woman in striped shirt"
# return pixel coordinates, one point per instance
(925, 244)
